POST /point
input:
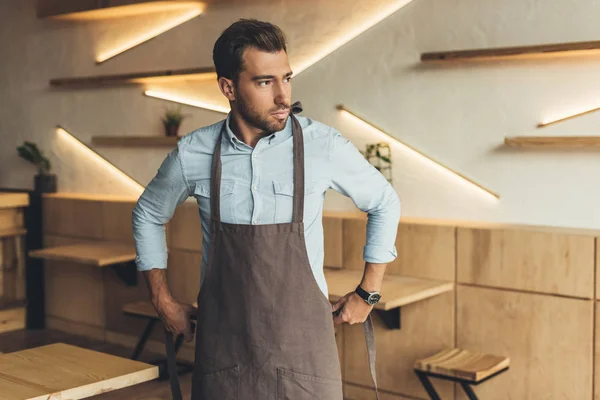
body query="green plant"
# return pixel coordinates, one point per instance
(30, 152)
(375, 150)
(173, 117)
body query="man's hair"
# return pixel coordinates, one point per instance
(230, 46)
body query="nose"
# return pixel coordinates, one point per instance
(282, 95)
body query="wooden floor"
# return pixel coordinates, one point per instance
(155, 390)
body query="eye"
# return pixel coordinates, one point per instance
(263, 83)
(288, 79)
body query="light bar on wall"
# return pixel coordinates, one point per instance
(193, 11)
(447, 170)
(567, 117)
(187, 102)
(348, 36)
(100, 161)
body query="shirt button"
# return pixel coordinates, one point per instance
(254, 187)
(255, 222)
(254, 155)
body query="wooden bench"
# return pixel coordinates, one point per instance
(99, 254)
(62, 371)
(462, 366)
(145, 310)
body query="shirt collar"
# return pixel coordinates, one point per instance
(273, 138)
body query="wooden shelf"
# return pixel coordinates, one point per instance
(91, 10)
(546, 50)
(137, 78)
(135, 141)
(396, 290)
(62, 371)
(100, 254)
(14, 200)
(12, 232)
(546, 142)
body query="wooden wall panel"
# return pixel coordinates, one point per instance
(333, 239)
(73, 217)
(11, 218)
(73, 291)
(185, 232)
(427, 327)
(183, 275)
(116, 219)
(597, 354)
(597, 267)
(548, 339)
(527, 260)
(424, 251)
(352, 392)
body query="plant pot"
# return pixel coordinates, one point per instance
(45, 183)
(171, 130)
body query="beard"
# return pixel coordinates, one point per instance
(263, 121)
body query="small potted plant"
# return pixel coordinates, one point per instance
(172, 121)
(44, 181)
(380, 156)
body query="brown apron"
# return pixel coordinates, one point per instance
(264, 328)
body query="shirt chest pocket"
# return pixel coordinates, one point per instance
(284, 204)
(202, 195)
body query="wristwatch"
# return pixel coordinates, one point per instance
(371, 298)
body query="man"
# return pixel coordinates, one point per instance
(265, 327)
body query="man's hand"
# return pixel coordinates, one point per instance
(351, 309)
(176, 317)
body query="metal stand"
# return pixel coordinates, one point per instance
(466, 385)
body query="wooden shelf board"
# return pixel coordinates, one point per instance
(546, 50)
(14, 200)
(99, 254)
(137, 78)
(64, 371)
(396, 291)
(11, 232)
(135, 141)
(82, 11)
(546, 142)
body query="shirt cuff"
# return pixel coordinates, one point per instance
(148, 263)
(379, 254)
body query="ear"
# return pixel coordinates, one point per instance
(227, 88)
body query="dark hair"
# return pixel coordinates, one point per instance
(229, 47)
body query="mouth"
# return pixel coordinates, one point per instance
(281, 114)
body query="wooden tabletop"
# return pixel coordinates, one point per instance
(99, 254)
(62, 371)
(396, 291)
(14, 200)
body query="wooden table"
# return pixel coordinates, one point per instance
(62, 371)
(396, 291)
(98, 254)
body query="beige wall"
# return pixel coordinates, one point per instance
(458, 114)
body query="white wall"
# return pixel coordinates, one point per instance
(458, 114)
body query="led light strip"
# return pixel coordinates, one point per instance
(193, 13)
(575, 115)
(450, 172)
(187, 102)
(98, 159)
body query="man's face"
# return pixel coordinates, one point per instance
(263, 90)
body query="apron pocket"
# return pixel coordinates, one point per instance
(221, 385)
(297, 386)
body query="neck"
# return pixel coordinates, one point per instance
(243, 131)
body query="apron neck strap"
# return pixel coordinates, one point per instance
(298, 143)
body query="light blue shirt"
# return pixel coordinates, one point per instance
(257, 188)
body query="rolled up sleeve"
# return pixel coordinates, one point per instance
(154, 208)
(353, 176)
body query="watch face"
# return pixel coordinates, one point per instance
(373, 299)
